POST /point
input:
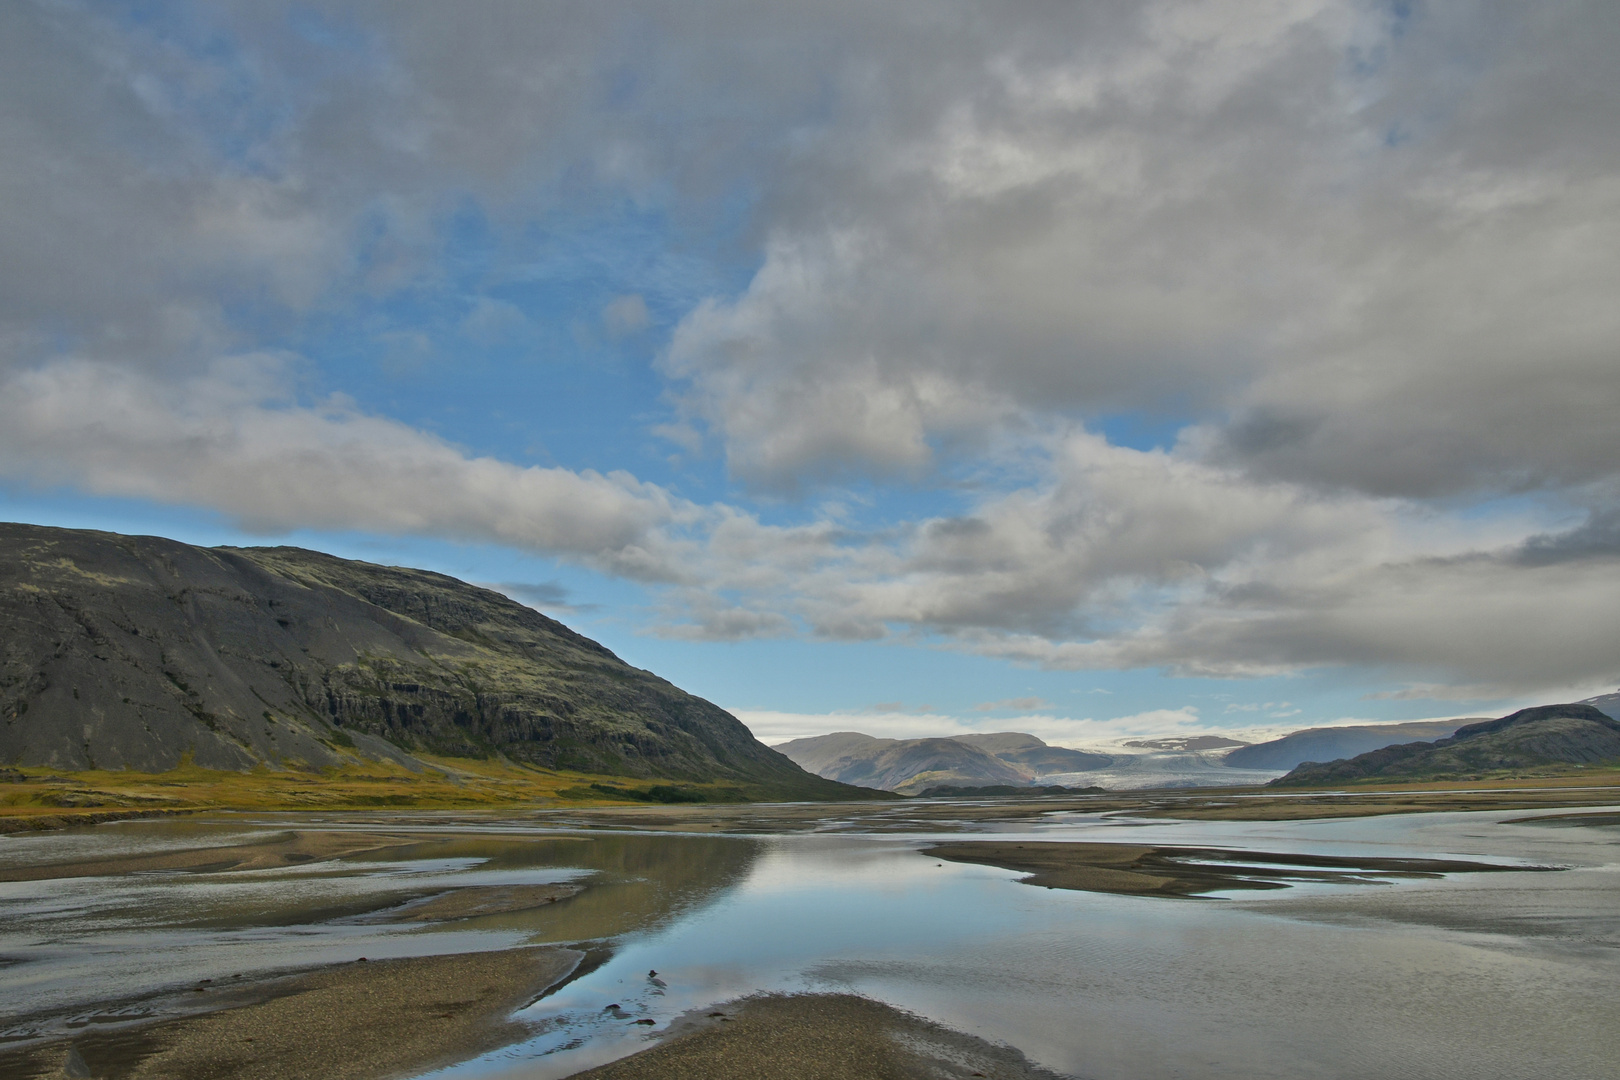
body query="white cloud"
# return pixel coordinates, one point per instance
(1074, 732)
(232, 440)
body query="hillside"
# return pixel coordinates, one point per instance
(911, 765)
(1033, 756)
(1607, 704)
(1548, 736)
(1331, 744)
(139, 653)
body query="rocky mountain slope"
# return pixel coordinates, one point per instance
(1331, 744)
(912, 765)
(1607, 704)
(136, 652)
(1530, 739)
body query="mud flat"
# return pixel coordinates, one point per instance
(826, 1036)
(1185, 871)
(291, 848)
(474, 901)
(355, 1021)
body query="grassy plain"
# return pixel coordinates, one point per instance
(44, 798)
(38, 798)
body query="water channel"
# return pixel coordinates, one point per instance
(1469, 975)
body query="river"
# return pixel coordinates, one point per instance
(1471, 976)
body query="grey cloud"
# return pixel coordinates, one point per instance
(705, 617)
(545, 595)
(1023, 704)
(1143, 559)
(1373, 257)
(1433, 692)
(1391, 268)
(1498, 630)
(1382, 245)
(543, 592)
(1596, 538)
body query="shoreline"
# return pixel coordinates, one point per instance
(1174, 871)
(826, 1036)
(362, 1020)
(35, 804)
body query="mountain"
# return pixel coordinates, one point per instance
(1331, 744)
(912, 765)
(1607, 704)
(1549, 735)
(1032, 755)
(135, 652)
(1191, 742)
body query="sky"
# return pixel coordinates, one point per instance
(1089, 369)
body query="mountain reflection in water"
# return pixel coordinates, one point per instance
(1505, 974)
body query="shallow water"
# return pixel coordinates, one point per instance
(104, 950)
(1473, 975)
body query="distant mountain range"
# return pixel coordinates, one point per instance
(136, 652)
(1330, 744)
(1607, 704)
(909, 766)
(1542, 738)
(1016, 759)
(1187, 742)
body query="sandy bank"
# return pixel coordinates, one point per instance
(1183, 871)
(825, 1036)
(357, 1021)
(470, 902)
(273, 851)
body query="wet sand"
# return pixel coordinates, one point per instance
(274, 851)
(472, 901)
(1183, 871)
(357, 1021)
(1190, 804)
(820, 1036)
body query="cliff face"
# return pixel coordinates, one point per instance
(131, 652)
(1548, 735)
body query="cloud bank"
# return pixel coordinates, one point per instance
(1354, 261)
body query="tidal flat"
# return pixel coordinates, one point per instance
(936, 938)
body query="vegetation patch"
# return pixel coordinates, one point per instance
(452, 783)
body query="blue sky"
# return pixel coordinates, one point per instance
(1096, 372)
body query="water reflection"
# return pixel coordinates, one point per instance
(1425, 978)
(1478, 976)
(151, 936)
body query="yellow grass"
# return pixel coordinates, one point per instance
(454, 783)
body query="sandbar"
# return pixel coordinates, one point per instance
(1141, 870)
(289, 848)
(475, 900)
(825, 1036)
(356, 1021)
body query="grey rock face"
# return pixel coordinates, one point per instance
(134, 652)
